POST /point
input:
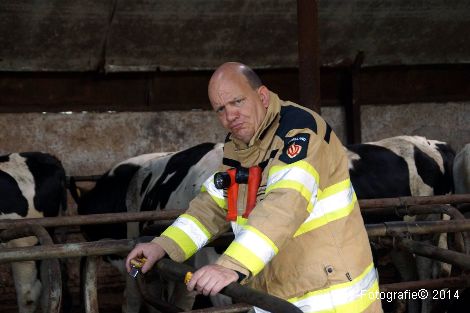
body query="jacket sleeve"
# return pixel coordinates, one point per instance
(202, 222)
(290, 197)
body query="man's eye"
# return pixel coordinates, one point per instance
(239, 101)
(219, 110)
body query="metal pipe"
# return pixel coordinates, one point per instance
(430, 251)
(465, 236)
(234, 308)
(50, 273)
(407, 210)
(422, 227)
(107, 218)
(110, 218)
(26, 231)
(125, 245)
(435, 253)
(176, 271)
(309, 54)
(462, 281)
(429, 209)
(155, 302)
(90, 277)
(69, 250)
(408, 201)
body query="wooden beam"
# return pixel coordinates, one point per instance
(187, 90)
(309, 54)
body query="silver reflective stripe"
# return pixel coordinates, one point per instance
(332, 203)
(236, 228)
(296, 174)
(192, 230)
(257, 245)
(216, 194)
(334, 297)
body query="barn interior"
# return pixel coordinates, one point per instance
(98, 82)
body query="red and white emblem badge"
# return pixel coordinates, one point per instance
(293, 150)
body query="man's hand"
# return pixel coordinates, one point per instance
(150, 250)
(211, 279)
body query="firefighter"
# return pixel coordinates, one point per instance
(299, 235)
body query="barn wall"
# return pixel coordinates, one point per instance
(143, 35)
(90, 143)
(440, 121)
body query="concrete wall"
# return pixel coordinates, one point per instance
(448, 122)
(90, 143)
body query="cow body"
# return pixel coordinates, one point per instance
(161, 182)
(399, 167)
(109, 196)
(32, 184)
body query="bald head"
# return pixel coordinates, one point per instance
(239, 98)
(232, 69)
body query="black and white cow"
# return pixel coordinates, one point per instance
(32, 185)
(393, 167)
(109, 196)
(400, 166)
(143, 183)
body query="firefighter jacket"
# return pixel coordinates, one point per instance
(305, 240)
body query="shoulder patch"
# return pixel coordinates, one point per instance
(295, 148)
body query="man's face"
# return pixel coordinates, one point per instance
(240, 109)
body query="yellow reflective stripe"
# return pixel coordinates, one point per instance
(331, 207)
(290, 184)
(216, 194)
(322, 220)
(245, 256)
(311, 225)
(300, 164)
(188, 233)
(182, 240)
(346, 297)
(300, 176)
(251, 242)
(330, 190)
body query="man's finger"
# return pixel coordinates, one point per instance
(131, 256)
(192, 282)
(218, 287)
(209, 287)
(147, 266)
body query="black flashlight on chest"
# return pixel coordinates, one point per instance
(231, 179)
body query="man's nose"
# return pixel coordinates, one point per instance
(231, 113)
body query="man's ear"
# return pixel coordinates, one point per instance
(263, 93)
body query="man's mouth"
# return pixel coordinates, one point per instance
(237, 126)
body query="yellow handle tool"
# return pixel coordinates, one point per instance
(188, 277)
(136, 265)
